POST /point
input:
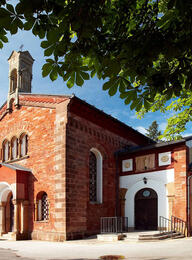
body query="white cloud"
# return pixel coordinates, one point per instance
(141, 129)
(186, 134)
(134, 116)
(162, 126)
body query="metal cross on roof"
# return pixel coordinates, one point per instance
(21, 47)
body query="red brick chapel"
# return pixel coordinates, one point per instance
(65, 164)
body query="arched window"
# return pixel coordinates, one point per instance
(95, 176)
(42, 206)
(5, 150)
(14, 148)
(13, 80)
(23, 145)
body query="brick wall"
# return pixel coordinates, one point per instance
(39, 124)
(180, 167)
(83, 217)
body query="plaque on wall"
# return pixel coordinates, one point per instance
(145, 162)
(127, 165)
(164, 158)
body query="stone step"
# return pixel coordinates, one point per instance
(8, 236)
(160, 236)
(179, 236)
(110, 237)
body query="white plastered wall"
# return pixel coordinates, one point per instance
(156, 181)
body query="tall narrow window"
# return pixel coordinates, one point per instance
(95, 176)
(23, 145)
(14, 148)
(92, 177)
(42, 206)
(13, 80)
(5, 150)
(45, 207)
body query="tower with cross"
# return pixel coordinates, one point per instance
(20, 76)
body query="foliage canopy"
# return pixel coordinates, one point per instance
(142, 48)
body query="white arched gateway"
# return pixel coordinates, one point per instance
(6, 208)
(14, 201)
(146, 183)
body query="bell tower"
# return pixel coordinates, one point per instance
(20, 76)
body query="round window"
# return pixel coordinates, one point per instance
(146, 193)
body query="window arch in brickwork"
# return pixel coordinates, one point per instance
(14, 148)
(23, 145)
(95, 176)
(42, 206)
(5, 150)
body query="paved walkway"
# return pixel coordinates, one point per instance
(93, 249)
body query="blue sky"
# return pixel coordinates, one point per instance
(91, 91)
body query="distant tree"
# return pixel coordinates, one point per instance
(153, 131)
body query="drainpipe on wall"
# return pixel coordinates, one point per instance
(188, 204)
(117, 184)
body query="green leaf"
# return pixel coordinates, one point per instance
(4, 38)
(10, 8)
(146, 104)
(53, 75)
(131, 95)
(46, 69)
(66, 76)
(134, 104)
(139, 106)
(4, 12)
(93, 72)
(71, 81)
(45, 44)
(13, 28)
(107, 85)
(121, 86)
(28, 25)
(49, 51)
(124, 95)
(19, 23)
(79, 81)
(113, 90)
(1, 45)
(84, 75)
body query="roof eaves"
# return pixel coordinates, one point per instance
(151, 146)
(116, 120)
(16, 167)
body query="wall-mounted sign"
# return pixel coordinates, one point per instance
(164, 158)
(145, 162)
(127, 165)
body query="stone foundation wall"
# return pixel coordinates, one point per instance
(48, 236)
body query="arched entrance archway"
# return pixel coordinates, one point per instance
(9, 213)
(6, 208)
(146, 209)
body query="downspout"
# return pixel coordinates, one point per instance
(188, 204)
(117, 185)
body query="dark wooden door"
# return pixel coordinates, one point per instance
(11, 215)
(146, 209)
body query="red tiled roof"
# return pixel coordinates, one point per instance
(3, 109)
(37, 98)
(43, 98)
